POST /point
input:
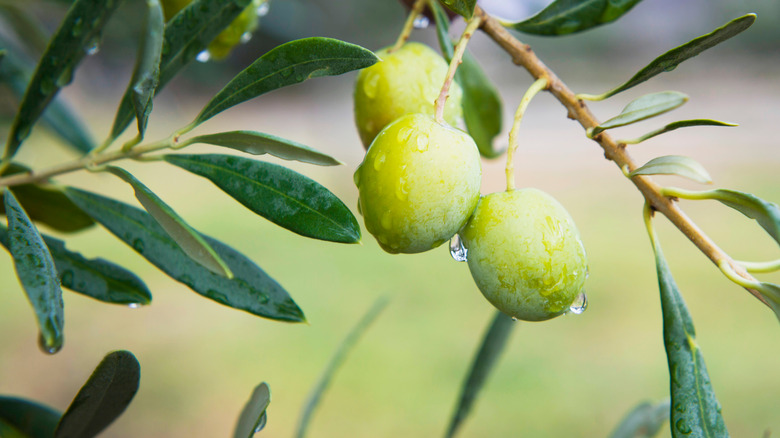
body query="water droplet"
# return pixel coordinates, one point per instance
(682, 427)
(66, 278)
(356, 177)
(370, 85)
(580, 304)
(65, 78)
(401, 190)
(421, 22)
(403, 134)
(203, 56)
(47, 86)
(49, 346)
(138, 245)
(457, 250)
(93, 47)
(78, 27)
(134, 305)
(387, 220)
(515, 319)
(568, 26)
(669, 68)
(263, 9)
(379, 162)
(679, 407)
(261, 423)
(246, 37)
(422, 142)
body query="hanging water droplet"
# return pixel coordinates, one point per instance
(515, 319)
(263, 9)
(134, 305)
(261, 423)
(669, 68)
(49, 346)
(457, 250)
(246, 37)
(203, 56)
(580, 304)
(421, 22)
(93, 48)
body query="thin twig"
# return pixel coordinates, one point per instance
(457, 58)
(533, 90)
(417, 9)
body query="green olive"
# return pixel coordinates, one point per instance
(525, 254)
(406, 81)
(418, 184)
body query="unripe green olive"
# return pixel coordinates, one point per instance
(418, 184)
(405, 81)
(525, 254)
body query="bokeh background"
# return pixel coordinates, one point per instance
(574, 376)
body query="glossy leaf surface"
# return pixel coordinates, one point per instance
(258, 143)
(289, 64)
(103, 398)
(253, 416)
(79, 31)
(465, 8)
(26, 418)
(188, 239)
(676, 125)
(146, 74)
(563, 17)
(490, 349)
(675, 165)
(644, 421)
(37, 273)
(280, 195)
(645, 107)
(251, 289)
(95, 278)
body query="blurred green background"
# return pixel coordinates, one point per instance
(573, 376)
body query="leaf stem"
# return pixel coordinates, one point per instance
(761, 267)
(538, 85)
(409, 25)
(457, 58)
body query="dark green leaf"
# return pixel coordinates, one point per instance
(146, 74)
(36, 271)
(103, 398)
(766, 213)
(250, 289)
(563, 17)
(694, 406)
(490, 349)
(644, 421)
(59, 116)
(335, 362)
(47, 205)
(280, 195)
(676, 125)
(258, 143)
(289, 64)
(674, 165)
(29, 419)
(79, 31)
(649, 105)
(96, 278)
(671, 59)
(253, 417)
(186, 34)
(464, 8)
(188, 239)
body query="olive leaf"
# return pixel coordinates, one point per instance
(288, 64)
(37, 273)
(644, 421)
(258, 143)
(671, 59)
(676, 125)
(26, 419)
(674, 165)
(79, 31)
(645, 107)
(188, 239)
(563, 17)
(254, 417)
(490, 349)
(103, 398)
(146, 74)
(278, 194)
(95, 278)
(766, 213)
(250, 289)
(464, 8)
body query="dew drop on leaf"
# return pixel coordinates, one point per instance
(203, 56)
(421, 22)
(263, 9)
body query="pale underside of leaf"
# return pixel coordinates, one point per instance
(642, 108)
(258, 143)
(675, 165)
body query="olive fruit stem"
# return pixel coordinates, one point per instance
(457, 57)
(417, 9)
(538, 85)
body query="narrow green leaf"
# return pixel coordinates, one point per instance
(36, 271)
(95, 278)
(482, 110)
(146, 74)
(771, 293)
(188, 239)
(649, 105)
(186, 34)
(694, 405)
(258, 143)
(79, 31)
(280, 195)
(767, 214)
(288, 64)
(335, 362)
(563, 17)
(675, 165)
(464, 8)
(253, 416)
(251, 289)
(59, 116)
(47, 205)
(671, 59)
(490, 349)
(28, 418)
(103, 398)
(644, 421)
(676, 125)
